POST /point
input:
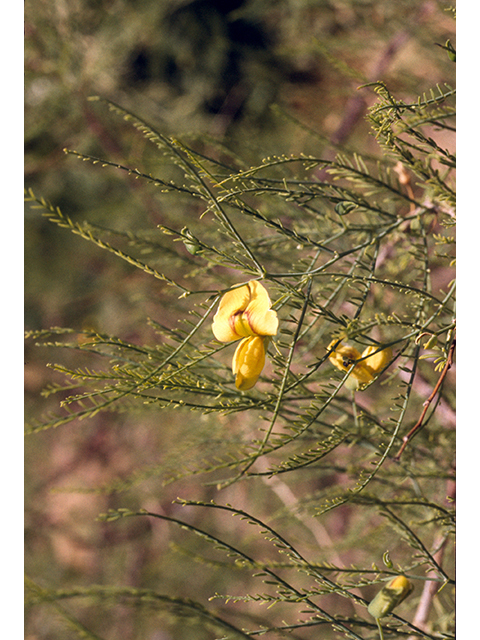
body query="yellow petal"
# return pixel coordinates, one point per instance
(344, 355)
(362, 373)
(263, 321)
(248, 362)
(245, 312)
(378, 361)
(401, 583)
(234, 301)
(365, 371)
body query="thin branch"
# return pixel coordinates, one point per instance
(428, 402)
(430, 588)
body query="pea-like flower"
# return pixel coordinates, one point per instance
(368, 367)
(246, 313)
(392, 594)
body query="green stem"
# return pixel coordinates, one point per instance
(380, 630)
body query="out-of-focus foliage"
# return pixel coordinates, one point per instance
(221, 165)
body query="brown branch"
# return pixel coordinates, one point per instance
(429, 590)
(418, 425)
(431, 586)
(357, 105)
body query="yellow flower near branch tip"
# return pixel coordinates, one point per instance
(246, 313)
(344, 356)
(392, 594)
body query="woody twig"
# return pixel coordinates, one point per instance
(419, 424)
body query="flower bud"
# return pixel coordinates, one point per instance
(392, 594)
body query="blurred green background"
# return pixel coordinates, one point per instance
(248, 74)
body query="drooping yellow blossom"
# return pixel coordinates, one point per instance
(392, 594)
(246, 313)
(368, 367)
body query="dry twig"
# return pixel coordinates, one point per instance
(418, 425)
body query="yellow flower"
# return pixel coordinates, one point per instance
(344, 356)
(245, 313)
(392, 594)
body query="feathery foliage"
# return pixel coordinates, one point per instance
(352, 248)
